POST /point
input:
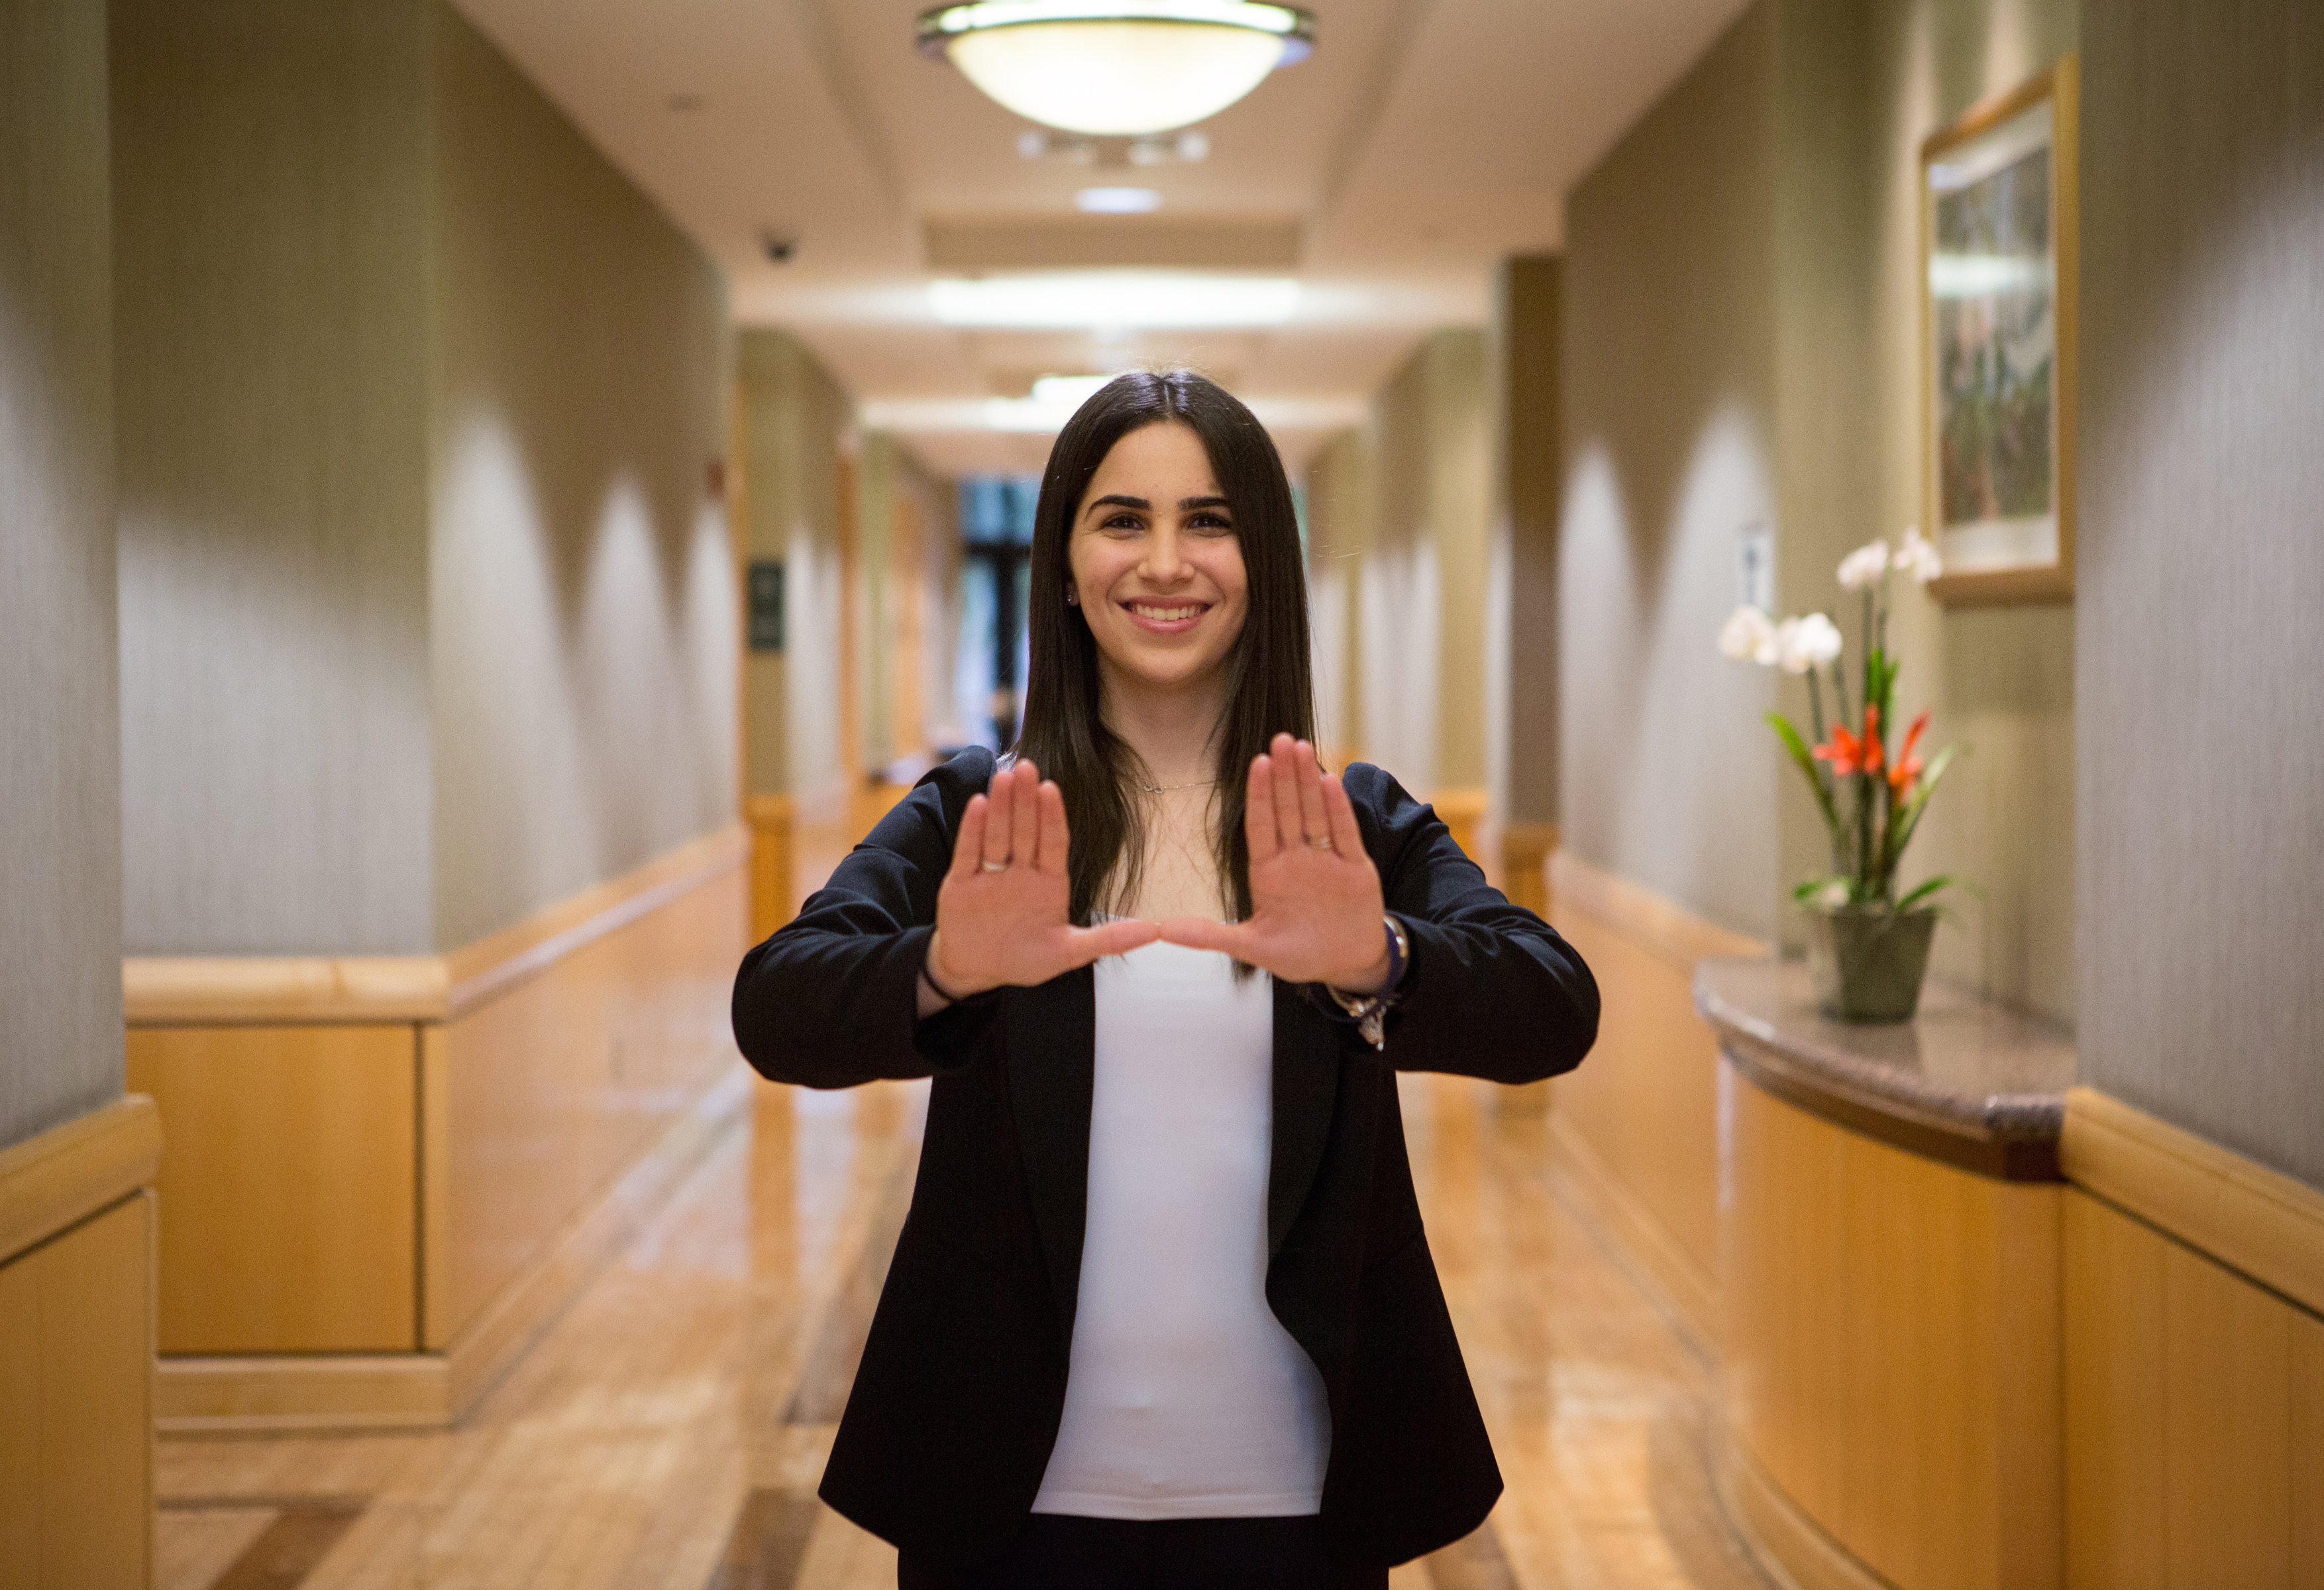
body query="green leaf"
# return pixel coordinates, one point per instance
(1911, 818)
(1806, 762)
(1923, 891)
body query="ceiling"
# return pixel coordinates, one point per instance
(1387, 173)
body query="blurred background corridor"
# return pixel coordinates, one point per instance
(497, 497)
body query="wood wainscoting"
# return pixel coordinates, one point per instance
(769, 820)
(1526, 850)
(2194, 1351)
(1463, 810)
(384, 1180)
(1635, 1130)
(77, 1352)
(1891, 1364)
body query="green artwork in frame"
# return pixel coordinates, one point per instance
(1997, 300)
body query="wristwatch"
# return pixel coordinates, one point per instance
(1369, 1011)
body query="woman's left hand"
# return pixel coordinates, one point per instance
(1315, 903)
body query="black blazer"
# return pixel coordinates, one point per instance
(955, 1408)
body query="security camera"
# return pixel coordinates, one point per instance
(779, 246)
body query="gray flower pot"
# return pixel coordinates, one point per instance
(1868, 962)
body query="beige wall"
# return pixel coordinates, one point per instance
(1668, 775)
(2201, 779)
(1339, 520)
(1400, 528)
(1521, 622)
(270, 216)
(910, 572)
(60, 774)
(2001, 680)
(1742, 349)
(428, 619)
(795, 420)
(581, 585)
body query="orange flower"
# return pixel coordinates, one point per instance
(1908, 766)
(1847, 754)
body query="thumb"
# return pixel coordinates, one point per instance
(1201, 933)
(1112, 938)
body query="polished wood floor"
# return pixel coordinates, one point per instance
(668, 1430)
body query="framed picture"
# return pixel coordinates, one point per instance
(1998, 278)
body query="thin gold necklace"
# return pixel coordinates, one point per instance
(1165, 789)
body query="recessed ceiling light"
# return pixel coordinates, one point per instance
(1117, 201)
(1115, 299)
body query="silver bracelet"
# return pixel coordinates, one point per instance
(1369, 1011)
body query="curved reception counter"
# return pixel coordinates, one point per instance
(1893, 1349)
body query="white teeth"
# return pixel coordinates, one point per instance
(1162, 614)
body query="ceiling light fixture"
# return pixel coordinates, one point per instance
(1117, 67)
(1068, 391)
(1114, 299)
(1117, 201)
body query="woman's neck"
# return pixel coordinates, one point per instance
(1173, 730)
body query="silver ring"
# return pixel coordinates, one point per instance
(1319, 845)
(993, 866)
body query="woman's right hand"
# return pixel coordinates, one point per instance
(1003, 913)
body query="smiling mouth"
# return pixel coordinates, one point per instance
(1168, 613)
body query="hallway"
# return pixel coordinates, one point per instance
(497, 497)
(668, 1429)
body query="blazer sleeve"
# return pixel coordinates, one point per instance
(830, 1000)
(1492, 990)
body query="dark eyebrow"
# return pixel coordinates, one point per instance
(1189, 504)
(1141, 504)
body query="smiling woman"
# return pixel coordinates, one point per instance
(1162, 1312)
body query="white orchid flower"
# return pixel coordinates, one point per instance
(1748, 635)
(1862, 568)
(1918, 556)
(1802, 643)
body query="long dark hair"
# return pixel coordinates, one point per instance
(1269, 690)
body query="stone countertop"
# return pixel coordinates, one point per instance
(1965, 1082)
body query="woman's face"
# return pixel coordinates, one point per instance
(1156, 562)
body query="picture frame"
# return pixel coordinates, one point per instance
(1999, 264)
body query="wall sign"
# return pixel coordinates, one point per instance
(766, 604)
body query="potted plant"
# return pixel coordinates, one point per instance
(1868, 945)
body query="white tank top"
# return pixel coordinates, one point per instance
(1186, 1397)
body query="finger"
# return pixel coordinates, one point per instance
(1025, 823)
(999, 817)
(1259, 810)
(1110, 938)
(1201, 933)
(1314, 823)
(970, 843)
(1283, 750)
(1347, 838)
(1049, 847)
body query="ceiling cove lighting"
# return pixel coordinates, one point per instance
(1117, 67)
(1117, 201)
(1126, 300)
(1068, 391)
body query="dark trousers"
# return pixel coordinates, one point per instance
(1057, 1552)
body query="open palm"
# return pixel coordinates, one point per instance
(1316, 904)
(1004, 909)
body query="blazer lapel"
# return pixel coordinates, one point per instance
(1051, 1040)
(1306, 1088)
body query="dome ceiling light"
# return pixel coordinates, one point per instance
(1117, 67)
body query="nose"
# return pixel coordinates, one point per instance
(1163, 563)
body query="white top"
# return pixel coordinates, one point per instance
(1186, 1398)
